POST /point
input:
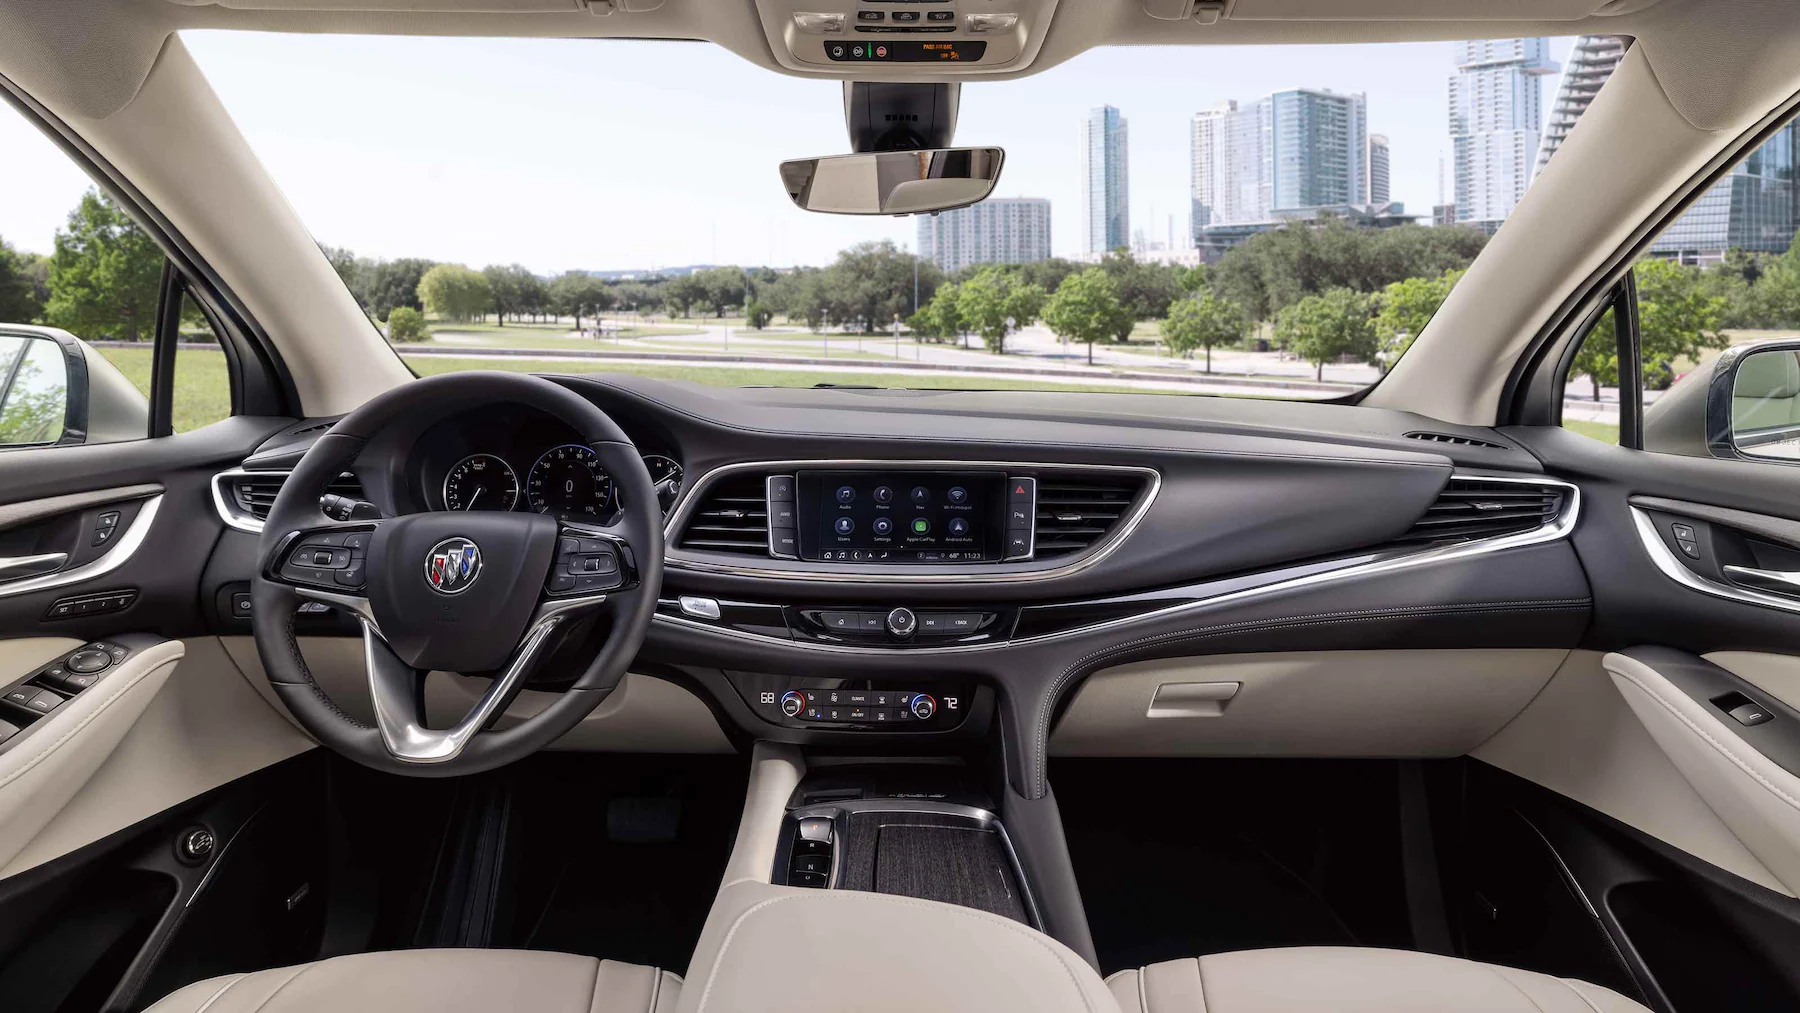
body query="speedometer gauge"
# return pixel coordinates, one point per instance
(481, 482)
(567, 483)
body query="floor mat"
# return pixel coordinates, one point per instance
(1177, 858)
(619, 857)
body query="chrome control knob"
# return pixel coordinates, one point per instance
(901, 622)
(922, 706)
(792, 703)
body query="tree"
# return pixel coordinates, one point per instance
(1202, 321)
(1086, 308)
(20, 302)
(680, 294)
(579, 294)
(994, 303)
(757, 314)
(1677, 319)
(105, 274)
(1145, 289)
(453, 292)
(1325, 327)
(1275, 269)
(1598, 357)
(390, 283)
(406, 324)
(1404, 307)
(939, 319)
(721, 287)
(511, 290)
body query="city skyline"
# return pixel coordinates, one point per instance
(1105, 180)
(1496, 120)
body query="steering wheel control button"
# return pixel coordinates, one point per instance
(88, 661)
(699, 608)
(452, 566)
(922, 706)
(901, 622)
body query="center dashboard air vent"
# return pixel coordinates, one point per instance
(1075, 510)
(1470, 508)
(732, 516)
(255, 493)
(1455, 441)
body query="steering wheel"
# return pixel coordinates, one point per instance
(462, 592)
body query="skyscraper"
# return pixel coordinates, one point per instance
(1591, 62)
(1000, 230)
(1376, 177)
(1754, 208)
(1289, 151)
(1496, 113)
(1105, 181)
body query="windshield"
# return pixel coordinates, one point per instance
(1279, 223)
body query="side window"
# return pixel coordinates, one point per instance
(81, 311)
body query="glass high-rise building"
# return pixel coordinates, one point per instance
(1753, 208)
(1290, 151)
(1496, 115)
(1590, 63)
(999, 230)
(1377, 176)
(1105, 181)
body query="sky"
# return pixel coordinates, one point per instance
(615, 155)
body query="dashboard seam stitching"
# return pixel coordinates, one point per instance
(1040, 738)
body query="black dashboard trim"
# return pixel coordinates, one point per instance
(1234, 589)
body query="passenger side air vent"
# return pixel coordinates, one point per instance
(1075, 511)
(254, 493)
(732, 516)
(1470, 508)
(1457, 441)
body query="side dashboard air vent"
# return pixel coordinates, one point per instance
(1470, 508)
(1074, 511)
(732, 516)
(255, 493)
(1455, 441)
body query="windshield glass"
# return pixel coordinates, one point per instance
(1280, 224)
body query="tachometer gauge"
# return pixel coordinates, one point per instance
(665, 475)
(567, 483)
(481, 482)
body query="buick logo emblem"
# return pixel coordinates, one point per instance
(452, 565)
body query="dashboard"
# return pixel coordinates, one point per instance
(504, 457)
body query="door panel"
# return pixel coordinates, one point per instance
(1749, 774)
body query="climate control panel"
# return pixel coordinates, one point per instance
(925, 705)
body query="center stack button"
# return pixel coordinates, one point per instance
(784, 533)
(901, 622)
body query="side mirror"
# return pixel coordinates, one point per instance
(56, 390)
(1753, 402)
(893, 182)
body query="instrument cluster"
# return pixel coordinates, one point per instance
(515, 459)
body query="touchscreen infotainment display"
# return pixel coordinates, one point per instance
(901, 516)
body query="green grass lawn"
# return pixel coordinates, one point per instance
(746, 376)
(1605, 432)
(202, 386)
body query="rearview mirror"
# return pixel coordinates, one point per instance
(893, 182)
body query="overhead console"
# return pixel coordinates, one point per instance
(906, 39)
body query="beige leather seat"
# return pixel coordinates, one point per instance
(437, 981)
(1341, 979)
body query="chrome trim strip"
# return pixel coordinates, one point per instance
(229, 513)
(105, 563)
(1557, 529)
(980, 573)
(987, 819)
(1664, 559)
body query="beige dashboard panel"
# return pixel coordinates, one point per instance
(1319, 703)
(644, 715)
